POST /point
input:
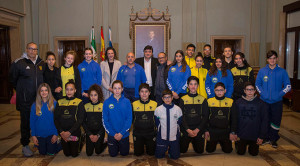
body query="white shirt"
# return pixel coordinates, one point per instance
(147, 67)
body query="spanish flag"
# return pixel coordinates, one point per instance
(102, 54)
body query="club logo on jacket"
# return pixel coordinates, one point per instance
(175, 116)
(214, 79)
(173, 69)
(83, 69)
(66, 112)
(145, 117)
(41, 67)
(27, 67)
(266, 78)
(111, 106)
(220, 113)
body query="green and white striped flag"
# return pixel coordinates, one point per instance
(93, 43)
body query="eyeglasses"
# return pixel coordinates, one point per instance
(167, 97)
(32, 49)
(251, 90)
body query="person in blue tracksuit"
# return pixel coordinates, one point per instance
(168, 117)
(252, 121)
(117, 118)
(272, 83)
(43, 130)
(132, 75)
(219, 73)
(90, 73)
(178, 74)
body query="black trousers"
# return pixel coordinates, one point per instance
(142, 140)
(25, 126)
(197, 142)
(241, 147)
(98, 146)
(226, 145)
(70, 148)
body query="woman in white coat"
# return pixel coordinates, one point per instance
(109, 67)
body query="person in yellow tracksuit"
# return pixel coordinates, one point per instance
(189, 58)
(200, 73)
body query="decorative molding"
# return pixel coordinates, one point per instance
(154, 14)
(149, 15)
(12, 12)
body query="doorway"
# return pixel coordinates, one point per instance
(64, 44)
(5, 61)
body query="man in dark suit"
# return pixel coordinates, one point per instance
(149, 63)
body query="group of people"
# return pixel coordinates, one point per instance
(168, 105)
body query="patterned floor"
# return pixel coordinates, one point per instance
(288, 152)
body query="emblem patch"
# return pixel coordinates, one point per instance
(220, 113)
(83, 69)
(175, 116)
(66, 112)
(266, 78)
(111, 106)
(173, 69)
(41, 67)
(214, 79)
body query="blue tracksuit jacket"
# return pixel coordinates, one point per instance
(177, 80)
(42, 125)
(90, 73)
(272, 85)
(117, 116)
(211, 81)
(140, 77)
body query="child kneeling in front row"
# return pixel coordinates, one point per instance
(92, 123)
(43, 131)
(168, 117)
(252, 121)
(117, 118)
(222, 123)
(68, 117)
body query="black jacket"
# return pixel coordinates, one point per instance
(195, 113)
(26, 77)
(92, 123)
(143, 117)
(49, 78)
(240, 76)
(222, 118)
(208, 61)
(68, 115)
(154, 63)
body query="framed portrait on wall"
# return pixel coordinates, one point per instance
(153, 34)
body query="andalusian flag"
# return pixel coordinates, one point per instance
(109, 37)
(102, 54)
(93, 43)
